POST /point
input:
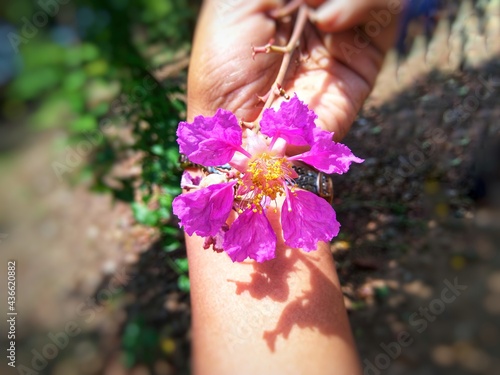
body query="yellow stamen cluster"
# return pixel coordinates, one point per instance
(265, 176)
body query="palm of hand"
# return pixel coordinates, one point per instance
(224, 75)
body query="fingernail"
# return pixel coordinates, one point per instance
(327, 11)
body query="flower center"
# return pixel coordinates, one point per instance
(265, 177)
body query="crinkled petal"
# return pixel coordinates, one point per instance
(250, 236)
(307, 219)
(206, 210)
(328, 156)
(210, 141)
(294, 122)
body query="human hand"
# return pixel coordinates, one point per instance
(333, 69)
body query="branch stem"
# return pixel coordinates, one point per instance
(288, 51)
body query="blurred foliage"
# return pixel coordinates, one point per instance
(89, 69)
(140, 342)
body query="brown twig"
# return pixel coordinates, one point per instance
(287, 51)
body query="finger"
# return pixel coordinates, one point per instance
(314, 3)
(340, 15)
(230, 11)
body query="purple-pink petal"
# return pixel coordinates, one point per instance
(250, 236)
(328, 156)
(294, 122)
(206, 210)
(210, 141)
(307, 219)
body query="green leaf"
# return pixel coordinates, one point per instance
(97, 68)
(382, 292)
(157, 150)
(52, 113)
(178, 105)
(74, 81)
(83, 124)
(31, 84)
(182, 263)
(172, 155)
(173, 190)
(89, 52)
(183, 283)
(172, 246)
(144, 215)
(42, 54)
(170, 231)
(100, 109)
(164, 213)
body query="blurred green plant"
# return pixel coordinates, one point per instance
(140, 342)
(96, 68)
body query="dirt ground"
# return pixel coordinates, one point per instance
(421, 214)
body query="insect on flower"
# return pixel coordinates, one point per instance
(261, 173)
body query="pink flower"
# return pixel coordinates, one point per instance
(261, 172)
